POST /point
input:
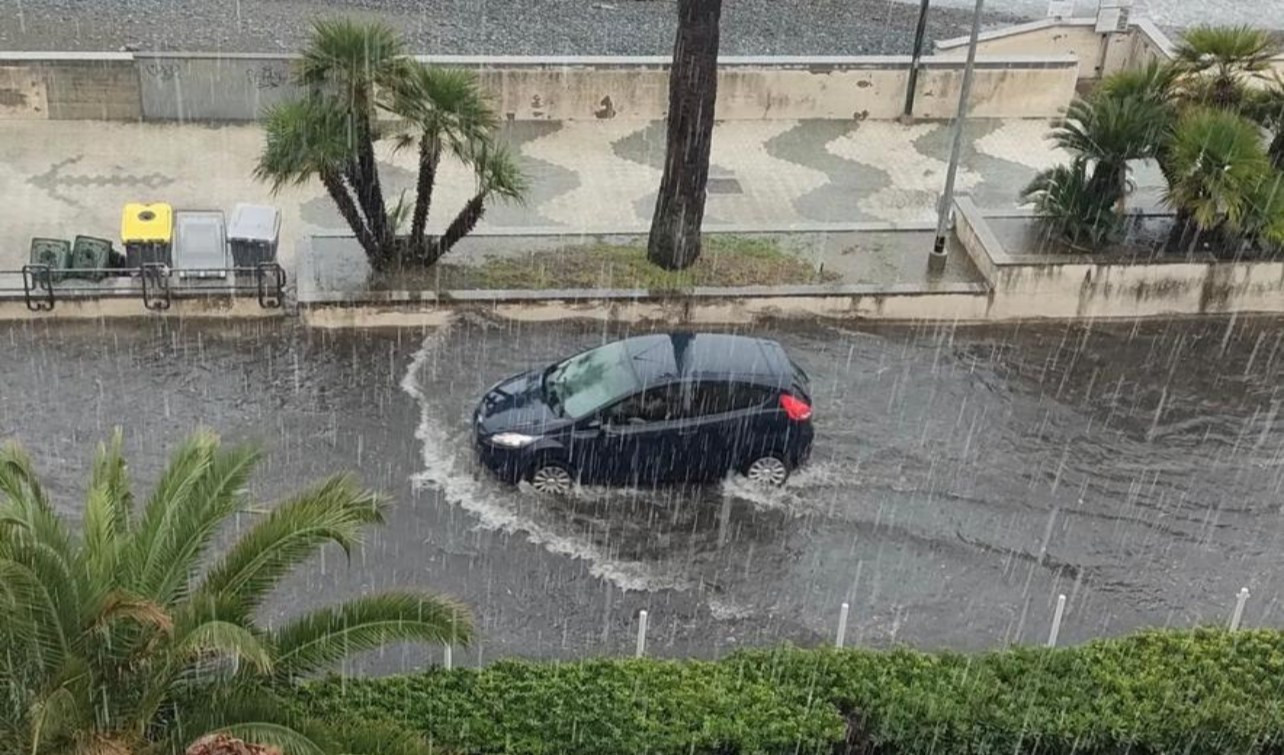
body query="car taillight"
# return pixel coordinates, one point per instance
(795, 408)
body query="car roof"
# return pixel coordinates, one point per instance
(708, 356)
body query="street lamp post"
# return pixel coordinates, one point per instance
(912, 87)
(936, 260)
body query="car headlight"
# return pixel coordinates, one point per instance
(513, 440)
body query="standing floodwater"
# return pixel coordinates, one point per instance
(962, 477)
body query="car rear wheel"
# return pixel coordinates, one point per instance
(551, 478)
(767, 471)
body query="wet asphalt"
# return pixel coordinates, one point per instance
(962, 478)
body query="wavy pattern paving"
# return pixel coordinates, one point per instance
(916, 178)
(769, 184)
(609, 185)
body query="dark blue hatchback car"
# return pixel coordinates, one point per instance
(655, 409)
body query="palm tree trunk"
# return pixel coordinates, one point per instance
(693, 87)
(429, 157)
(338, 192)
(364, 173)
(461, 226)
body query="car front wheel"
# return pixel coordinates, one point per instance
(767, 471)
(552, 478)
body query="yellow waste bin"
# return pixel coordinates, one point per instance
(147, 231)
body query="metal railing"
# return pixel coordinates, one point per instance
(44, 285)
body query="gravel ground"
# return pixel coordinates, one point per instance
(518, 27)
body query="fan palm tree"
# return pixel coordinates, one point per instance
(1221, 59)
(1218, 168)
(1071, 209)
(356, 74)
(1110, 131)
(1151, 83)
(345, 62)
(443, 110)
(133, 634)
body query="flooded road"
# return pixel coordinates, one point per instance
(962, 478)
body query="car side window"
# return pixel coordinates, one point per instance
(720, 397)
(658, 404)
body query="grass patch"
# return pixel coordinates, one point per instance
(724, 261)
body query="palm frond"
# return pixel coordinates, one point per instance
(1217, 163)
(184, 515)
(1152, 83)
(1241, 48)
(499, 174)
(305, 138)
(120, 605)
(22, 500)
(31, 604)
(335, 511)
(349, 56)
(444, 105)
(1071, 208)
(323, 637)
(225, 639)
(379, 738)
(1111, 129)
(108, 511)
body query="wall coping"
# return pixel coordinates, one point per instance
(699, 294)
(594, 61)
(36, 57)
(954, 43)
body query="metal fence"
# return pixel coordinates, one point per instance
(156, 284)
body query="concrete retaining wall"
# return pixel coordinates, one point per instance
(1077, 286)
(69, 86)
(231, 87)
(1098, 54)
(212, 87)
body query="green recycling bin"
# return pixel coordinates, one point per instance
(92, 256)
(53, 253)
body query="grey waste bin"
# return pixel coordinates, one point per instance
(200, 244)
(252, 233)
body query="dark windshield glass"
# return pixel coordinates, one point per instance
(585, 383)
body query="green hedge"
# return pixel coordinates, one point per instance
(1199, 692)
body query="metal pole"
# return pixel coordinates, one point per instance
(1056, 621)
(912, 88)
(448, 658)
(1238, 615)
(641, 634)
(936, 260)
(842, 625)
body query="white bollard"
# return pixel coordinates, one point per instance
(447, 658)
(1056, 621)
(641, 634)
(1238, 615)
(842, 626)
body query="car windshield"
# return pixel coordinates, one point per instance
(587, 382)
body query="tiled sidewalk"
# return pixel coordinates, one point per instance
(64, 178)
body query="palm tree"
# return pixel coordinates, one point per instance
(1218, 168)
(444, 111)
(1221, 58)
(1071, 209)
(674, 242)
(356, 74)
(347, 61)
(135, 637)
(1111, 131)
